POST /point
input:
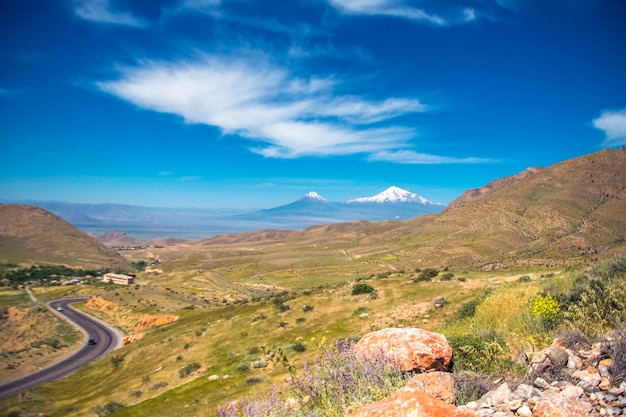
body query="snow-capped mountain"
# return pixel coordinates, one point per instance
(393, 195)
(392, 204)
(312, 195)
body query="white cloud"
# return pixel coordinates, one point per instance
(285, 115)
(613, 123)
(101, 11)
(416, 158)
(393, 8)
(469, 15)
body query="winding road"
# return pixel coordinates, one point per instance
(106, 338)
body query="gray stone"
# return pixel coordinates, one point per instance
(542, 383)
(526, 391)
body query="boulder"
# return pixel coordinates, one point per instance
(439, 384)
(557, 405)
(411, 402)
(412, 348)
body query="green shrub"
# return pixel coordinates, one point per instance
(243, 367)
(161, 384)
(108, 408)
(448, 276)
(360, 310)
(188, 369)
(299, 347)
(481, 354)
(117, 361)
(307, 308)
(426, 275)
(597, 301)
(253, 380)
(362, 288)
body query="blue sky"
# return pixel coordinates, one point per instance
(241, 103)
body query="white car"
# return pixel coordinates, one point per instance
(59, 308)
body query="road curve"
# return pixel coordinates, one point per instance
(107, 339)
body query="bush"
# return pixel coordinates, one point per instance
(597, 301)
(108, 408)
(117, 361)
(426, 275)
(307, 308)
(448, 276)
(362, 288)
(253, 380)
(298, 347)
(158, 385)
(360, 310)
(188, 369)
(480, 353)
(243, 367)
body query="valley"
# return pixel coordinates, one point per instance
(205, 320)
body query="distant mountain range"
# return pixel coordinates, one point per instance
(192, 223)
(566, 214)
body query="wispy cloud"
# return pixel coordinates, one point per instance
(392, 8)
(469, 14)
(6, 92)
(285, 116)
(101, 11)
(416, 158)
(613, 124)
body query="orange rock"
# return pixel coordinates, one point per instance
(413, 349)
(147, 321)
(411, 402)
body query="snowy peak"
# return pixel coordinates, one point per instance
(392, 195)
(313, 196)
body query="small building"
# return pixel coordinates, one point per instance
(118, 279)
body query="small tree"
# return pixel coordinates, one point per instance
(362, 288)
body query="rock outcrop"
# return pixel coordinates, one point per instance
(571, 378)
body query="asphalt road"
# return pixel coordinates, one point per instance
(107, 339)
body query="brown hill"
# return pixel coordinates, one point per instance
(491, 187)
(558, 215)
(31, 235)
